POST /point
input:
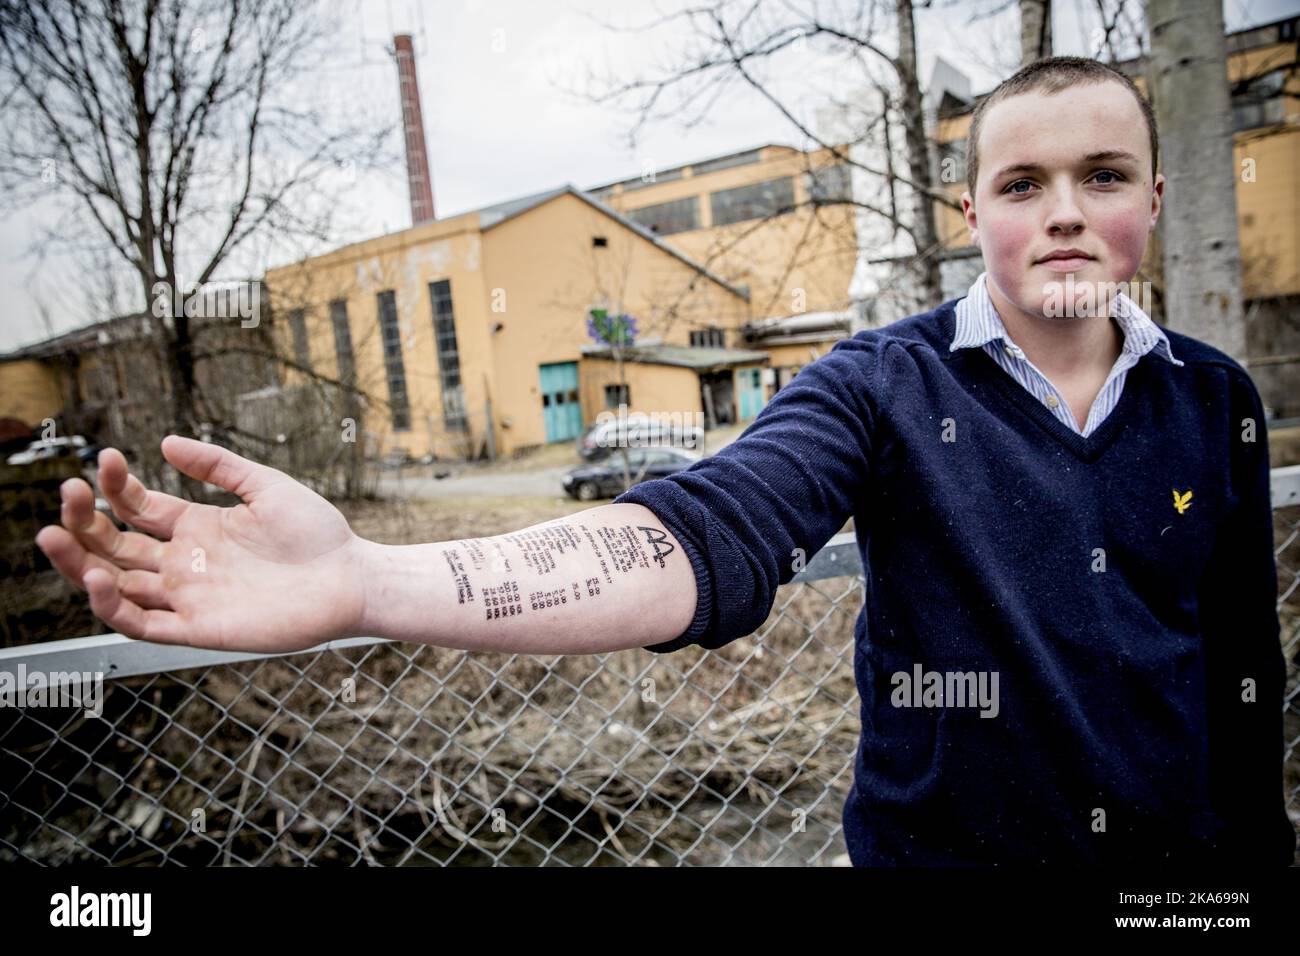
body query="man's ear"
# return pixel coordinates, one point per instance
(968, 213)
(1157, 198)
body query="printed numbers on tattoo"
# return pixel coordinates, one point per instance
(541, 600)
(502, 601)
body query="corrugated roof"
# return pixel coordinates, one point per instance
(685, 356)
(74, 339)
(699, 162)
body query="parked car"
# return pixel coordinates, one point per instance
(604, 479)
(63, 447)
(637, 431)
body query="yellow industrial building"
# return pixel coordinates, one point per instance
(472, 330)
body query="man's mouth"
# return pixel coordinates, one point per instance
(1063, 260)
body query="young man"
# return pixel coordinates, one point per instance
(1053, 498)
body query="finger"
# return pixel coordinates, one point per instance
(71, 559)
(152, 511)
(96, 531)
(126, 617)
(220, 466)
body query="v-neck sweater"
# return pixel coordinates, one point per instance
(1113, 596)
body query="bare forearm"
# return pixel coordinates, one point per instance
(608, 578)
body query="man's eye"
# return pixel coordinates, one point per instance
(1019, 192)
(1109, 172)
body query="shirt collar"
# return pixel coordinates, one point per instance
(978, 323)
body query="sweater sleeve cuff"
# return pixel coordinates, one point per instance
(644, 494)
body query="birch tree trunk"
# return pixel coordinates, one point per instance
(918, 159)
(1035, 30)
(1187, 78)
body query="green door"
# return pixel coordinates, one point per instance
(560, 407)
(749, 386)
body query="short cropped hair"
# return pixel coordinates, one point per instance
(1052, 75)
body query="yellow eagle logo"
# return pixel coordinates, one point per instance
(1182, 502)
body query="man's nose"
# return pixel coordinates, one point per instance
(1065, 215)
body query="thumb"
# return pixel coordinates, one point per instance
(219, 466)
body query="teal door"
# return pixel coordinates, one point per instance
(749, 386)
(560, 407)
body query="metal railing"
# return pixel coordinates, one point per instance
(371, 752)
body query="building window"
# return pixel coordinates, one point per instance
(1259, 101)
(599, 242)
(570, 397)
(829, 183)
(616, 395)
(393, 364)
(444, 337)
(665, 218)
(755, 201)
(301, 351)
(708, 338)
(342, 341)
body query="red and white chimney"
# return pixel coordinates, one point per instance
(417, 157)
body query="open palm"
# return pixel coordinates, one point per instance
(278, 572)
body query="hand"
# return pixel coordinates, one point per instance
(279, 572)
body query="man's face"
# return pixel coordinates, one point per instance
(1066, 171)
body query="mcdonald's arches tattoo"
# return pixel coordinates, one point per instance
(661, 540)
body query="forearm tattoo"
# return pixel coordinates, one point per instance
(464, 592)
(617, 549)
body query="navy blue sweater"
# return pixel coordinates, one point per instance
(1121, 588)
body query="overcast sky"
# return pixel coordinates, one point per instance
(499, 122)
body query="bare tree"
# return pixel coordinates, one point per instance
(174, 129)
(734, 39)
(1122, 32)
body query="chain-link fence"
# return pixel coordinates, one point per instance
(370, 752)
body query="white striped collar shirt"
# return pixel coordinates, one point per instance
(978, 324)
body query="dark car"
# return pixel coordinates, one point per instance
(605, 479)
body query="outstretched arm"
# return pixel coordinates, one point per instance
(282, 571)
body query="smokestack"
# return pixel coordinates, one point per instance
(417, 158)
